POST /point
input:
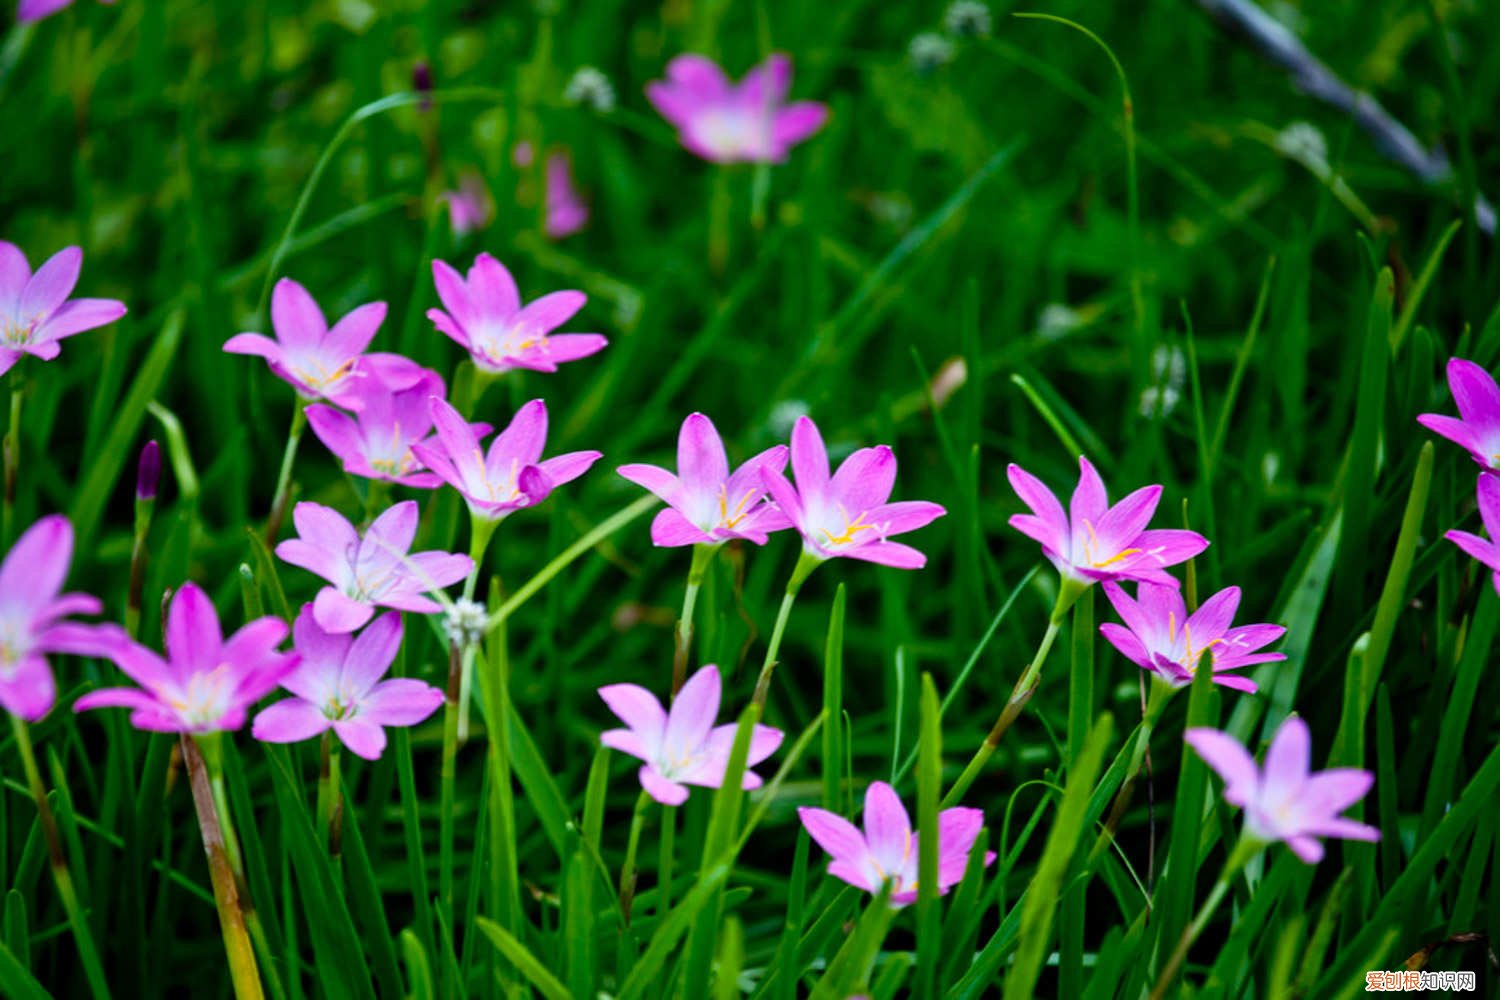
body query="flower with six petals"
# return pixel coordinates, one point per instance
(1159, 635)
(724, 122)
(35, 311)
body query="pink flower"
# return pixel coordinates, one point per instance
(32, 609)
(1161, 637)
(207, 683)
(338, 686)
(1284, 801)
(682, 746)
(1477, 427)
(1484, 549)
(485, 316)
(888, 849)
(513, 475)
(367, 572)
(318, 362)
(376, 442)
(470, 207)
(35, 312)
(1095, 541)
(847, 514)
(566, 212)
(35, 10)
(722, 122)
(708, 504)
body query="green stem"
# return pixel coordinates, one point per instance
(330, 800)
(505, 898)
(806, 563)
(61, 876)
(237, 948)
(377, 496)
(134, 593)
(628, 870)
(1246, 849)
(481, 530)
(284, 477)
(12, 460)
(446, 779)
(1067, 594)
(702, 556)
(665, 859)
(718, 223)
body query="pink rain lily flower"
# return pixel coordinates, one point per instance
(1484, 549)
(1477, 427)
(847, 514)
(682, 746)
(513, 474)
(35, 10)
(470, 207)
(369, 571)
(1161, 637)
(708, 503)
(565, 210)
(1094, 541)
(338, 686)
(888, 849)
(32, 609)
(723, 122)
(485, 316)
(35, 312)
(1283, 801)
(318, 362)
(376, 442)
(206, 683)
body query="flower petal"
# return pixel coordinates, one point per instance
(52, 283)
(290, 720)
(887, 827)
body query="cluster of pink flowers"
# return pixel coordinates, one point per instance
(1477, 430)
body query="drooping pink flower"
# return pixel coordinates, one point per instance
(338, 686)
(485, 316)
(681, 746)
(32, 609)
(1161, 637)
(1486, 550)
(470, 208)
(376, 441)
(847, 514)
(887, 848)
(35, 312)
(35, 10)
(724, 122)
(707, 503)
(565, 212)
(513, 474)
(318, 362)
(1283, 801)
(1095, 541)
(366, 572)
(1477, 427)
(206, 683)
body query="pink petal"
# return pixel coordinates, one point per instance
(856, 874)
(290, 720)
(336, 612)
(352, 334)
(656, 479)
(1487, 495)
(565, 468)
(325, 528)
(370, 656)
(785, 496)
(809, 463)
(363, 737)
(1051, 524)
(1306, 848)
(669, 529)
(255, 344)
(638, 709)
(864, 480)
(1125, 521)
(339, 434)
(767, 84)
(1161, 547)
(693, 712)
(626, 741)
(132, 698)
(35, 567)
(394, 530)
(295, 316)
(1126, 642)
(903, 516)
(702, 465)
(492, 289)
(1454, 430)
(50, 286)
(836, 835)
(887, 827)
(1474, 391)
(194, 639)
(522, 440)
(29, 692)
(15, 272)
(668, 793)
(1287, 760)
(454, 294)
(797, 122)
(564, 347)
(550, 312)
(1090, 502)
(698, 74)
(888, 554)
(35, 10)
(747, 478)
(80, 315)
(1213, 617)
(958, 828)
(436, 570)
(401, 701)
(1231, 760)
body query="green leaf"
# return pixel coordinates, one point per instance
(15, 982)
(525, 962)
(929, 791)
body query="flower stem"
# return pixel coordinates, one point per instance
(1019, 696)
(718, 223)
(504, 877)
(628, 870)
(806, 563)
(61, 876)
(284, 477)
(481, 530)
(134, 595)
(446, 779)
(12, 460)
(702, 556)
(237, 947)
(665, 858)
(1246, 849)
(330, 800)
